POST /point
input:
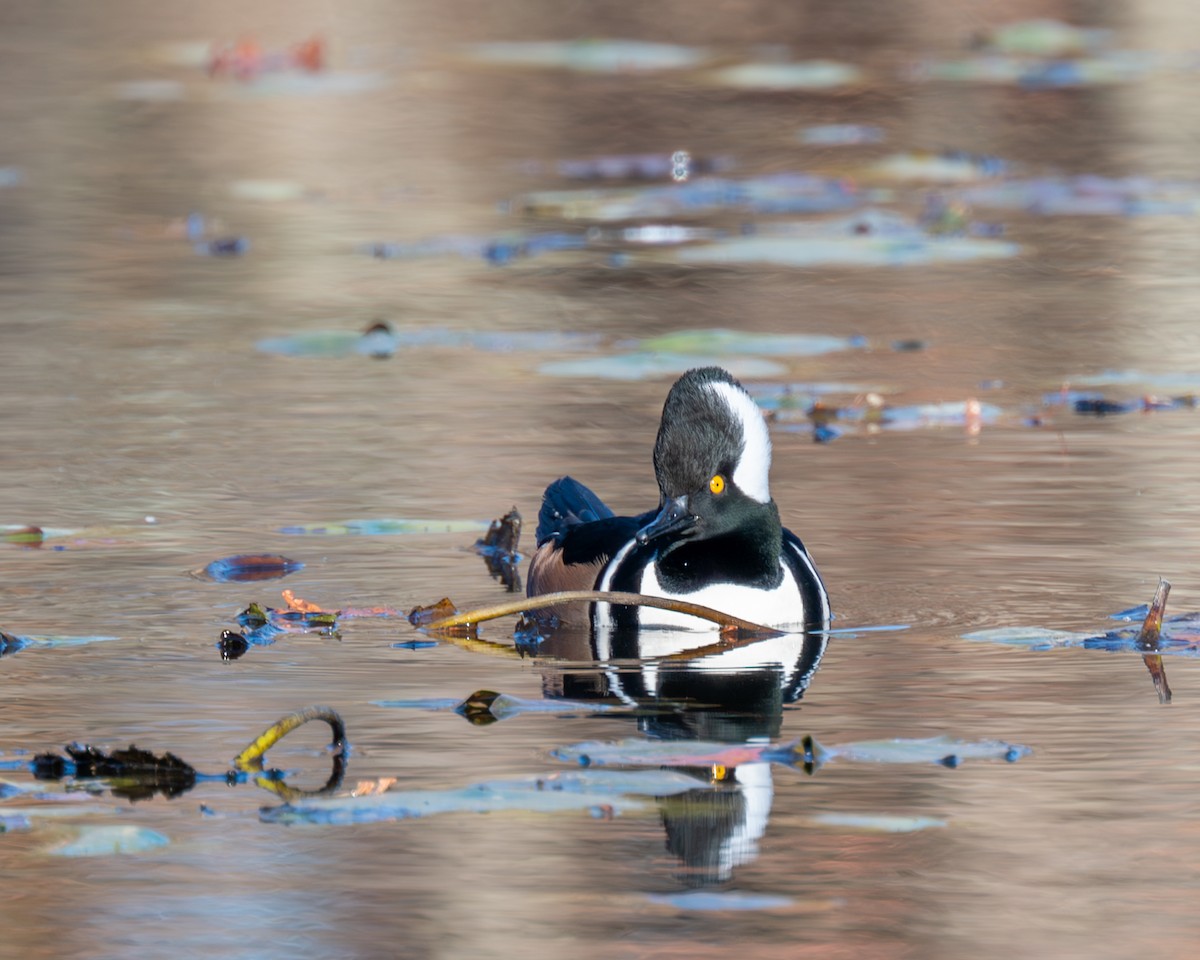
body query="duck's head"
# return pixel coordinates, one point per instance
(712, 458)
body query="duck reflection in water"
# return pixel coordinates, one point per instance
(715, 539)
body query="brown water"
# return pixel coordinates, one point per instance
(130, 388)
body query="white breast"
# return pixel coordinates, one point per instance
(780, 607)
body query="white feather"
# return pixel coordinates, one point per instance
(752, 469)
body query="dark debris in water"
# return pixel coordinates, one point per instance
(133, 774)
(498, 547)
(421, 616)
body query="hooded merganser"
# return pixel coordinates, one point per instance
(715, 538)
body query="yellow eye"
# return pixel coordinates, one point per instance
(716, 484)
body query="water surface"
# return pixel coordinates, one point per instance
(136, 410)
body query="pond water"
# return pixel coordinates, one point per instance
(147, 428)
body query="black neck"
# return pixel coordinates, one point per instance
(748, 556)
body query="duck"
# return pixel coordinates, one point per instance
(715, 538)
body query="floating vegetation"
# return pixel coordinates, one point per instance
(947, 167)
(380, 340)
(723, 343)
(1044, 38)
(588, 56)
(263, 625)
(496, 249)
(1178, 635)
(1087, 195)
(603, 792)
(646, 366)
(498, 547)
(384, 527)
(875, 822)
(139, 774)
(15, 643)
(247, 59)
(872, 238)
(268, 191)
(770, 193)
(806, 753)
(131, 773)
(718, 901)
(223, 247)
(61, 538)
(841, 135)
(632, 166)
(1037, 74)
(245, 568)
(1157, 637)
(107, 840)
(487, 706)
(804, 75)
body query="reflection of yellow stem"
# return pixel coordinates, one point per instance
(250, 760)
(472, 617)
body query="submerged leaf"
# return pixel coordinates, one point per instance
(876, 822)
(643, 366)
(250, 566)
(588, 56)
(802, 75)
(11, 643)
(722, 343)
(383, 527)
(99, 841)
(947, 751)
(716, 901)
(944, 750)
(614, 792)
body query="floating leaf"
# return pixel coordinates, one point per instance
(25, 536)
(1032, 73)
(502, 706)
(841, 135)
(876, 822)
(421, 615)
(644, 366)
(100, 841)
(1033, 638)
(946, 167)
(717, 901)
(588, 56)
(385, 527)
(248, 567)
(857, 251)
(722, 343)
(12, 643)
(770, 193)
(945, 750)
(1087, 195)
(803, 75)
(268, 191)
(1045, 38)
(614, 792)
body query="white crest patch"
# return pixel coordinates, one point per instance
(752, 469)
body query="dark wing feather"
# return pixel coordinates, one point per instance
(577, 535)
(812, 590)
(565, 504)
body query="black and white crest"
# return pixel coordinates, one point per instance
(710, 424)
